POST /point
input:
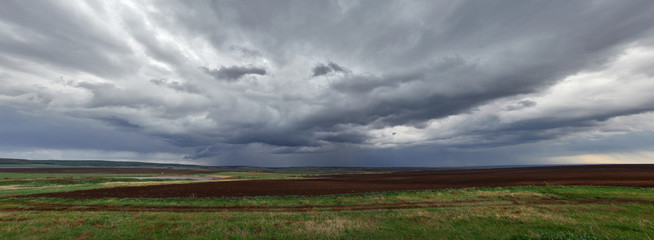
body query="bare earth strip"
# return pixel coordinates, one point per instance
(597, 175)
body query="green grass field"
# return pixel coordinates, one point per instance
(30, 183)
(528, 212)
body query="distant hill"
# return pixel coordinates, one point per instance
(24, 163)
(12, 162)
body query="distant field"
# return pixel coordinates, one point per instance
(541, 207)
(11, 162)
(40, 181)
(609, 175)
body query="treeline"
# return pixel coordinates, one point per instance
(92, 163)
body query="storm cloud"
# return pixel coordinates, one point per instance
(379, 83)
(324, 69)
(233, 73)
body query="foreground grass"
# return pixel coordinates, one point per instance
(479, 213)
(526, 212)
(520, 222)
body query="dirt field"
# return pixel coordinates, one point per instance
(604, 175)
(106, 170)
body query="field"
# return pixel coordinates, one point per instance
(573, 202)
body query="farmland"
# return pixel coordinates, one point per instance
(573, 202)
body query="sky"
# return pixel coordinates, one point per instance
(329, 83)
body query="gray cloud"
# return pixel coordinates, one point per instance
(234, 73)
(175, 85)
(109, 95)
(453, 77)
(56, 37)
(322, 69)
(27, 130)
(520, 105)
(245, 52)
(205, 152)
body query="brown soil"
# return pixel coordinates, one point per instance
(596, 175)
(106, 170)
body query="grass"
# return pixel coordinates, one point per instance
(497, 217)
(455, 196)
(13, 176)
(525, 212)
(12, 184)
(479, 222)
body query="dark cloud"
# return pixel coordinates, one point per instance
(205, 152)
(38, 131)
(120, 123)
(336, 67)
(345, 137)
(234, 73)
(322, 69)
(520, 105)
(551, 127)
(573, 121)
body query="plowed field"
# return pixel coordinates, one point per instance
(601, 175)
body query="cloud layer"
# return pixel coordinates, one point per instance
(305, 82)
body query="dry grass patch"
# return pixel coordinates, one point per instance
(12, 187)
(509, 194)
(530, 214)
(424, 214)
(515, 213)
(144, 183)
(332, 227)
(22, 187)
(7, 214)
